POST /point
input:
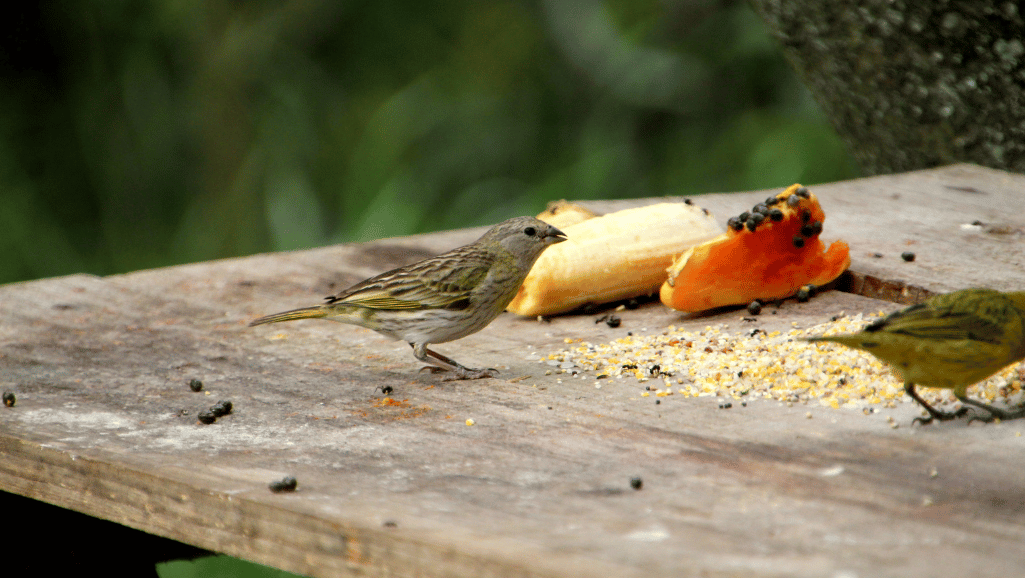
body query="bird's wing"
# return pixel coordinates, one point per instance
(945, 321)
(431, 284)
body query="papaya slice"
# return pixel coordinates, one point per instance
(766, 253)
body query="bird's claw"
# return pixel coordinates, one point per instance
(996, 414)
(984, 419)
(939, 415)
(461, 373)
(470, 373)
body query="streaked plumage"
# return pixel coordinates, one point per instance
(950, 341)
(443, 298)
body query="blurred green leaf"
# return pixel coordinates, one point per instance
(145, 134)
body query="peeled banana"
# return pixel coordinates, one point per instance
(615, 256)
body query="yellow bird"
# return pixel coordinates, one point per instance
(950, 341)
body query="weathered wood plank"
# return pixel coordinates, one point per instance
(540, 485)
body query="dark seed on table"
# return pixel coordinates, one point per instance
(805, 293)
(286, 484)
(222, 407)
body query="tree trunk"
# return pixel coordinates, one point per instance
(912, 85)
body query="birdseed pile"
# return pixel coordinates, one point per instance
(748, 364)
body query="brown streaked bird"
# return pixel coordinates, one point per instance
(443, 298)
(949, 341)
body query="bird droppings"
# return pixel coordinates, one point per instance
(754, 364)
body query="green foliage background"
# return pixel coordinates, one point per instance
(139, 134)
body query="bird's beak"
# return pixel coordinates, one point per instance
(554, 236)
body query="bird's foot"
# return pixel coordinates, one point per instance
(459, 372)
(440, 362)
(470, 373)
(997, 415)
(937, 415)
(994, 413)
(989, 418)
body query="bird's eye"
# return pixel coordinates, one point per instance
(530, 231)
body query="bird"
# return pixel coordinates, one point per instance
(948, 341)
(442, 298)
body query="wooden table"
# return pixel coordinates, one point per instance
(540, 485)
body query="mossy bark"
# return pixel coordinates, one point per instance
(911, 85)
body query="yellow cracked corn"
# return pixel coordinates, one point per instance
(745, 363)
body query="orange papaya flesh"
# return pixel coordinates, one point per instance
(765, 257)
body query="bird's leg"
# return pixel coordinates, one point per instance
(994, 412)
(420, 351)
(443, 363)
(934, 413)
(460, 371)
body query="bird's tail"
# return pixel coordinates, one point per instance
(315, 312)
